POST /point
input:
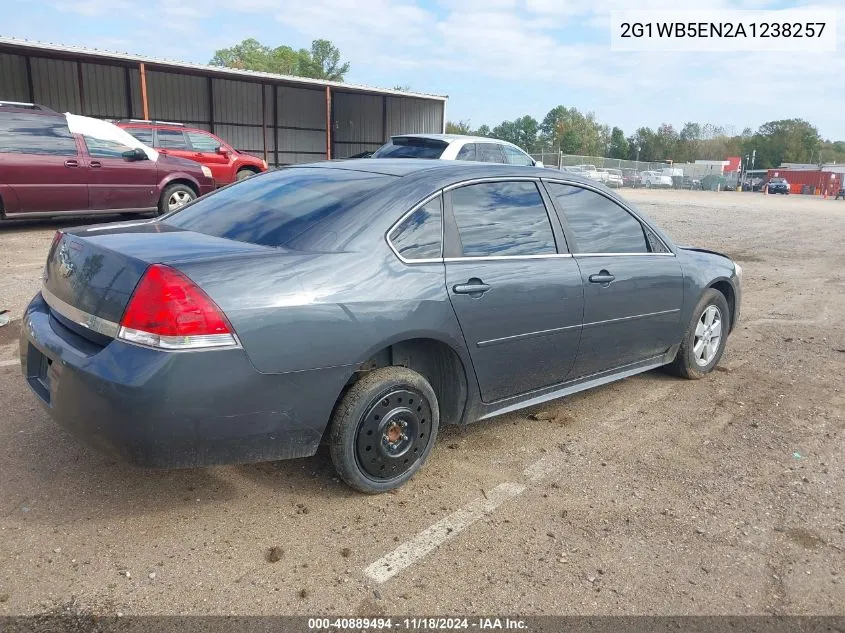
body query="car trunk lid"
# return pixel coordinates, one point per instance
(92, 272)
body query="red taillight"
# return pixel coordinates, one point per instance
(169, 311)
(56, 239)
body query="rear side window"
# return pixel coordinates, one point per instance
(516, 157)
(598, 223)
(419, 235)
(22, 133)
(171, 139)
(411, 147)
(502, 219)
(203, 142)
(287, 207)
(467, 152)
(144, 135)
(489, 153)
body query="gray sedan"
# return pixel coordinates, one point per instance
(362, 304)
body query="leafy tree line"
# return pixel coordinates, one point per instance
(322, 61)
(572, 132)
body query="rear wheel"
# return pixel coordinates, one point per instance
(383, 429)
(704, 341)
(175, 197)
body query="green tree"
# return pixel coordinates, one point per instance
(461, 127)
(321, 62)
(618, 144)
(484, 130)
(521, 132)
(325, 61)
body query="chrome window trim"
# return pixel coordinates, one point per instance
(80, 317)
(572, 183)
(474, 181)
(624, 254)
(414, 209)
(495, 258)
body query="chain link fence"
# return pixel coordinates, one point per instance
(560, 160)
(636, 173)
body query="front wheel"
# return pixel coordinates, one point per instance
(704, 342)
(243, 174)
(383, 429)
(175, 197)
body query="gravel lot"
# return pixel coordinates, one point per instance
(654, 495)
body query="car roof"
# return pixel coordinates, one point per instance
(445, 169)
(451, 138)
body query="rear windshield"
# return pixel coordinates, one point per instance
(285, 208)
(411, 147)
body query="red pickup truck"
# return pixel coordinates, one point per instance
(54, 164)
(175, 139)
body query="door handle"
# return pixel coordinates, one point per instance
(198, 154)
(71, 163)
(96, 163)
(473, 287)
(162, 151)
(603, 277)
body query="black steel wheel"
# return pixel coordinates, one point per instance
(383, 429)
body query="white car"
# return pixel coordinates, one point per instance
(610, 177)
(655, 179)
(454, 147)
(588, 171)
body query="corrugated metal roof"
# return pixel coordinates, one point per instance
(11, 43)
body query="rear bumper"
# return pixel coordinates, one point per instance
(172, 410)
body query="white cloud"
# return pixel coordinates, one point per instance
(552, 49)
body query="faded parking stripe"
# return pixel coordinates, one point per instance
(429, 539)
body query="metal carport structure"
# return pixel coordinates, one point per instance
(281, 118)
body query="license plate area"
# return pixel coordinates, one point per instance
(38, 372)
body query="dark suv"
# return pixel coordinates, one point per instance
(778, 185)
(52, 164)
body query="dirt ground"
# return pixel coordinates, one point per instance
(654, 495)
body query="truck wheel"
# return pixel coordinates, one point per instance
(244, 173)
(175, 197)
(383, 429)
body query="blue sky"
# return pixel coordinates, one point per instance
(496, 59)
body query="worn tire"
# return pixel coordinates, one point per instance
(171, 190)
(243, 174)
(685, 364)
(357, 411)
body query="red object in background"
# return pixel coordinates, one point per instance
(225, 162)
(820, 181)
(733, 163)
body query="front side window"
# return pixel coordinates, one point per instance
(145, 135)
(102, 148)
(599, 224)
(517, 157)
(489, 153)
(22, 133)
(203, 142)
(419, 235)
(467, 152)
(171, 139)
(502, 218)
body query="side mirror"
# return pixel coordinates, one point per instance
(135, 154)
(222, 150)
(539, 163)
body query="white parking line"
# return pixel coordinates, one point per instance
(408, 553)
(9, 363)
